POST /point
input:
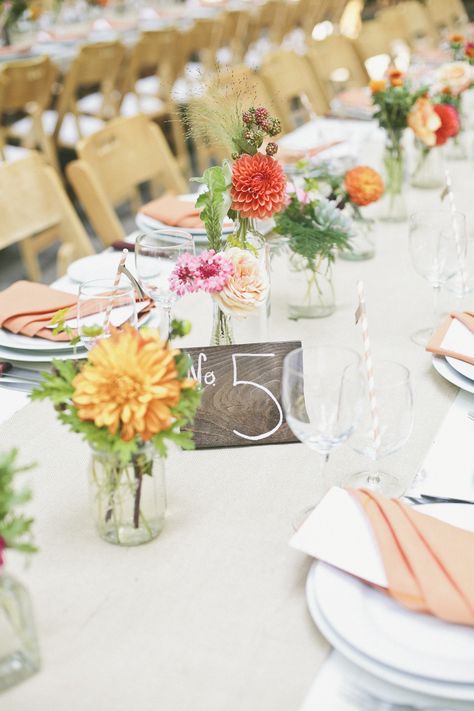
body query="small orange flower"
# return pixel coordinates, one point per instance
(377, 85)
(364, 185)
(396, 77)
(456, 39)
(129, 384)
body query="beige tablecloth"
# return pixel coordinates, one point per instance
(212, 614)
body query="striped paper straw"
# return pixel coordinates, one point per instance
(457, 238)
(361, 315)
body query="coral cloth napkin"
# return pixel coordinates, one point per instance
(434, 346)
(293, 155)
(172, 211)
(429, 563)
(27, 308)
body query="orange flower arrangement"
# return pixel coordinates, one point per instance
(363, 185)
(130, 385)
(258, 186)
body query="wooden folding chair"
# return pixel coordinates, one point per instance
(96, 65)
(336, 65)
(36, 212)
(113, 163)
(293, 87)
(26, 87)
(272, 20)
(409, 21)
(448, 15)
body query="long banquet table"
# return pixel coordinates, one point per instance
(212, 614)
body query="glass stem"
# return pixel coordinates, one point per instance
(322, 484)
(373, 476)
(436, 294)
(165, 322)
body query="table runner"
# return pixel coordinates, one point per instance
(212, 614)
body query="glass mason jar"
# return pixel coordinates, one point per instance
(253, 328)
(128, 499)
(456, 148)
(19, 651)
(362, 243)
(429, 170)
(393, 204)
(310, 287)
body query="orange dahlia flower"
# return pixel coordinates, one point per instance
(129, 384)
(364, 185)
(258, 186)
(456, 39)
(396, 77)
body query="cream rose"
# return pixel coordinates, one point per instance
(247, 288)
(424, 121)
(456, 76)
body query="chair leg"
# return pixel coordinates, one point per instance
(30, 259)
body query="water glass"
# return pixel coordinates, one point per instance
(156, 254)
(322, 397)
(394, 400)
(101, 306)
(438, 245)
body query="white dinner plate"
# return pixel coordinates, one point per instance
(17, 342)
(412, 650)
(99, 266)
(441, 365)
(145, 222)
(462, 367)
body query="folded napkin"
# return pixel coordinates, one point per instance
(173, 212)
(27, 308)
(293, 155)
(437, 343)
(429, 563)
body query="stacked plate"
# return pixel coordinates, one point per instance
(35, 351)
(408, 649)
(455, 371)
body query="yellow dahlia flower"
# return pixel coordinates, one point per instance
(129, 384)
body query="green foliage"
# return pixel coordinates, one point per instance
(59, 322)
(215, 202)
(15, 529)
(394, 104)
(179, 328)
(315, 229)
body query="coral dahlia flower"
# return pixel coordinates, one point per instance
(129, 384)
(364, 185)
(449, 123)
(258, 186)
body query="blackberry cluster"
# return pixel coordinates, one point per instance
(258, 124)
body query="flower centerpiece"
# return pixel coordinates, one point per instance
(394, 99)
(128, 399)
(11, 11)
(452, 81)
(433, 124)
(19, 653)
(249, 187)
(315, 228)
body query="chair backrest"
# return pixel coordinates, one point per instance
(293, 88)
(113, 162)
(272, 20)
(204, 39)
(36, 211)
(409, 21)
(447, 15)
(155, 52)
(337, 64)
(334, 10)
(372, 40)
(26, 82)
(96, 65)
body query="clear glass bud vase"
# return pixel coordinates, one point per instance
(362, 242)
(393, 206)
(428, 171)
(310, 287)
(128, 499)
(222, 328)
(19, 652)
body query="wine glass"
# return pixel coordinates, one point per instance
(394, 398)
(322, 397)
(156, 254)
(437, 248)
(101, 305)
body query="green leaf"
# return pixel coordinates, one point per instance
(215, 202)
(15, 528)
